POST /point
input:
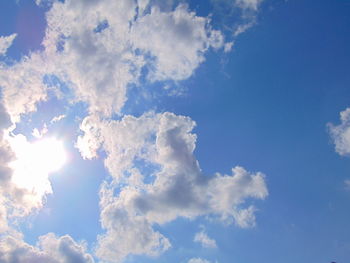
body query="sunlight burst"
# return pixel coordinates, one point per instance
(35, 161)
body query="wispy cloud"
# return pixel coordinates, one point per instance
(5, 43)
(203, 238)
(341, 133)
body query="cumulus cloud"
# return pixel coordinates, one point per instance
(341, 133)
(5, 43)
(103, 46)
(22, 85)
(172, 187)
(50, 249)
(177, 46)
(16, 198)
(203, 238)
(99, 49)
(136, 232)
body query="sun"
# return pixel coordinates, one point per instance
(35, 161)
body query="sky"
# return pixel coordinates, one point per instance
(139, 131)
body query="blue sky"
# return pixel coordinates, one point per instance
(191, 131)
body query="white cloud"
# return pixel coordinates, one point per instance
(198, 260)
(228, 10)
(15, 199)
(5, 43)
(249, 4)
(99, 49)
(341, 133)
(100, 65)
(22, 84)
(57, 118)
(178, 44)
(163, 145)
(136, 233)
(50, 249)
(203, 238)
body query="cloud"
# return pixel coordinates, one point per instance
(16, 200)
(178, 44)
(249, 4)
(57, 118)
(103, 46)
(50, 249)
(22, 84)
(198, 260)
(237, 15)
(5, 43)
(153, 157)
(341, 133)
(203, 238)
(99, 49)
(347, 184)
(136, 233)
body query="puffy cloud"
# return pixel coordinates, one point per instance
(5, 43)
(341, 133)
(16, 200)
(50, 249)
(152, 156)
(102, 47)
(99, 49)
(22, 84)
(126, 233)
(178, 44)
(203, 238)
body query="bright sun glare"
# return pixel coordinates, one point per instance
(35, 161)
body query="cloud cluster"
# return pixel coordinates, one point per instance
(153, 157)
(50, 249)
(104, 46)
(99, 49)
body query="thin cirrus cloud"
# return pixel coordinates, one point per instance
(99, 49)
